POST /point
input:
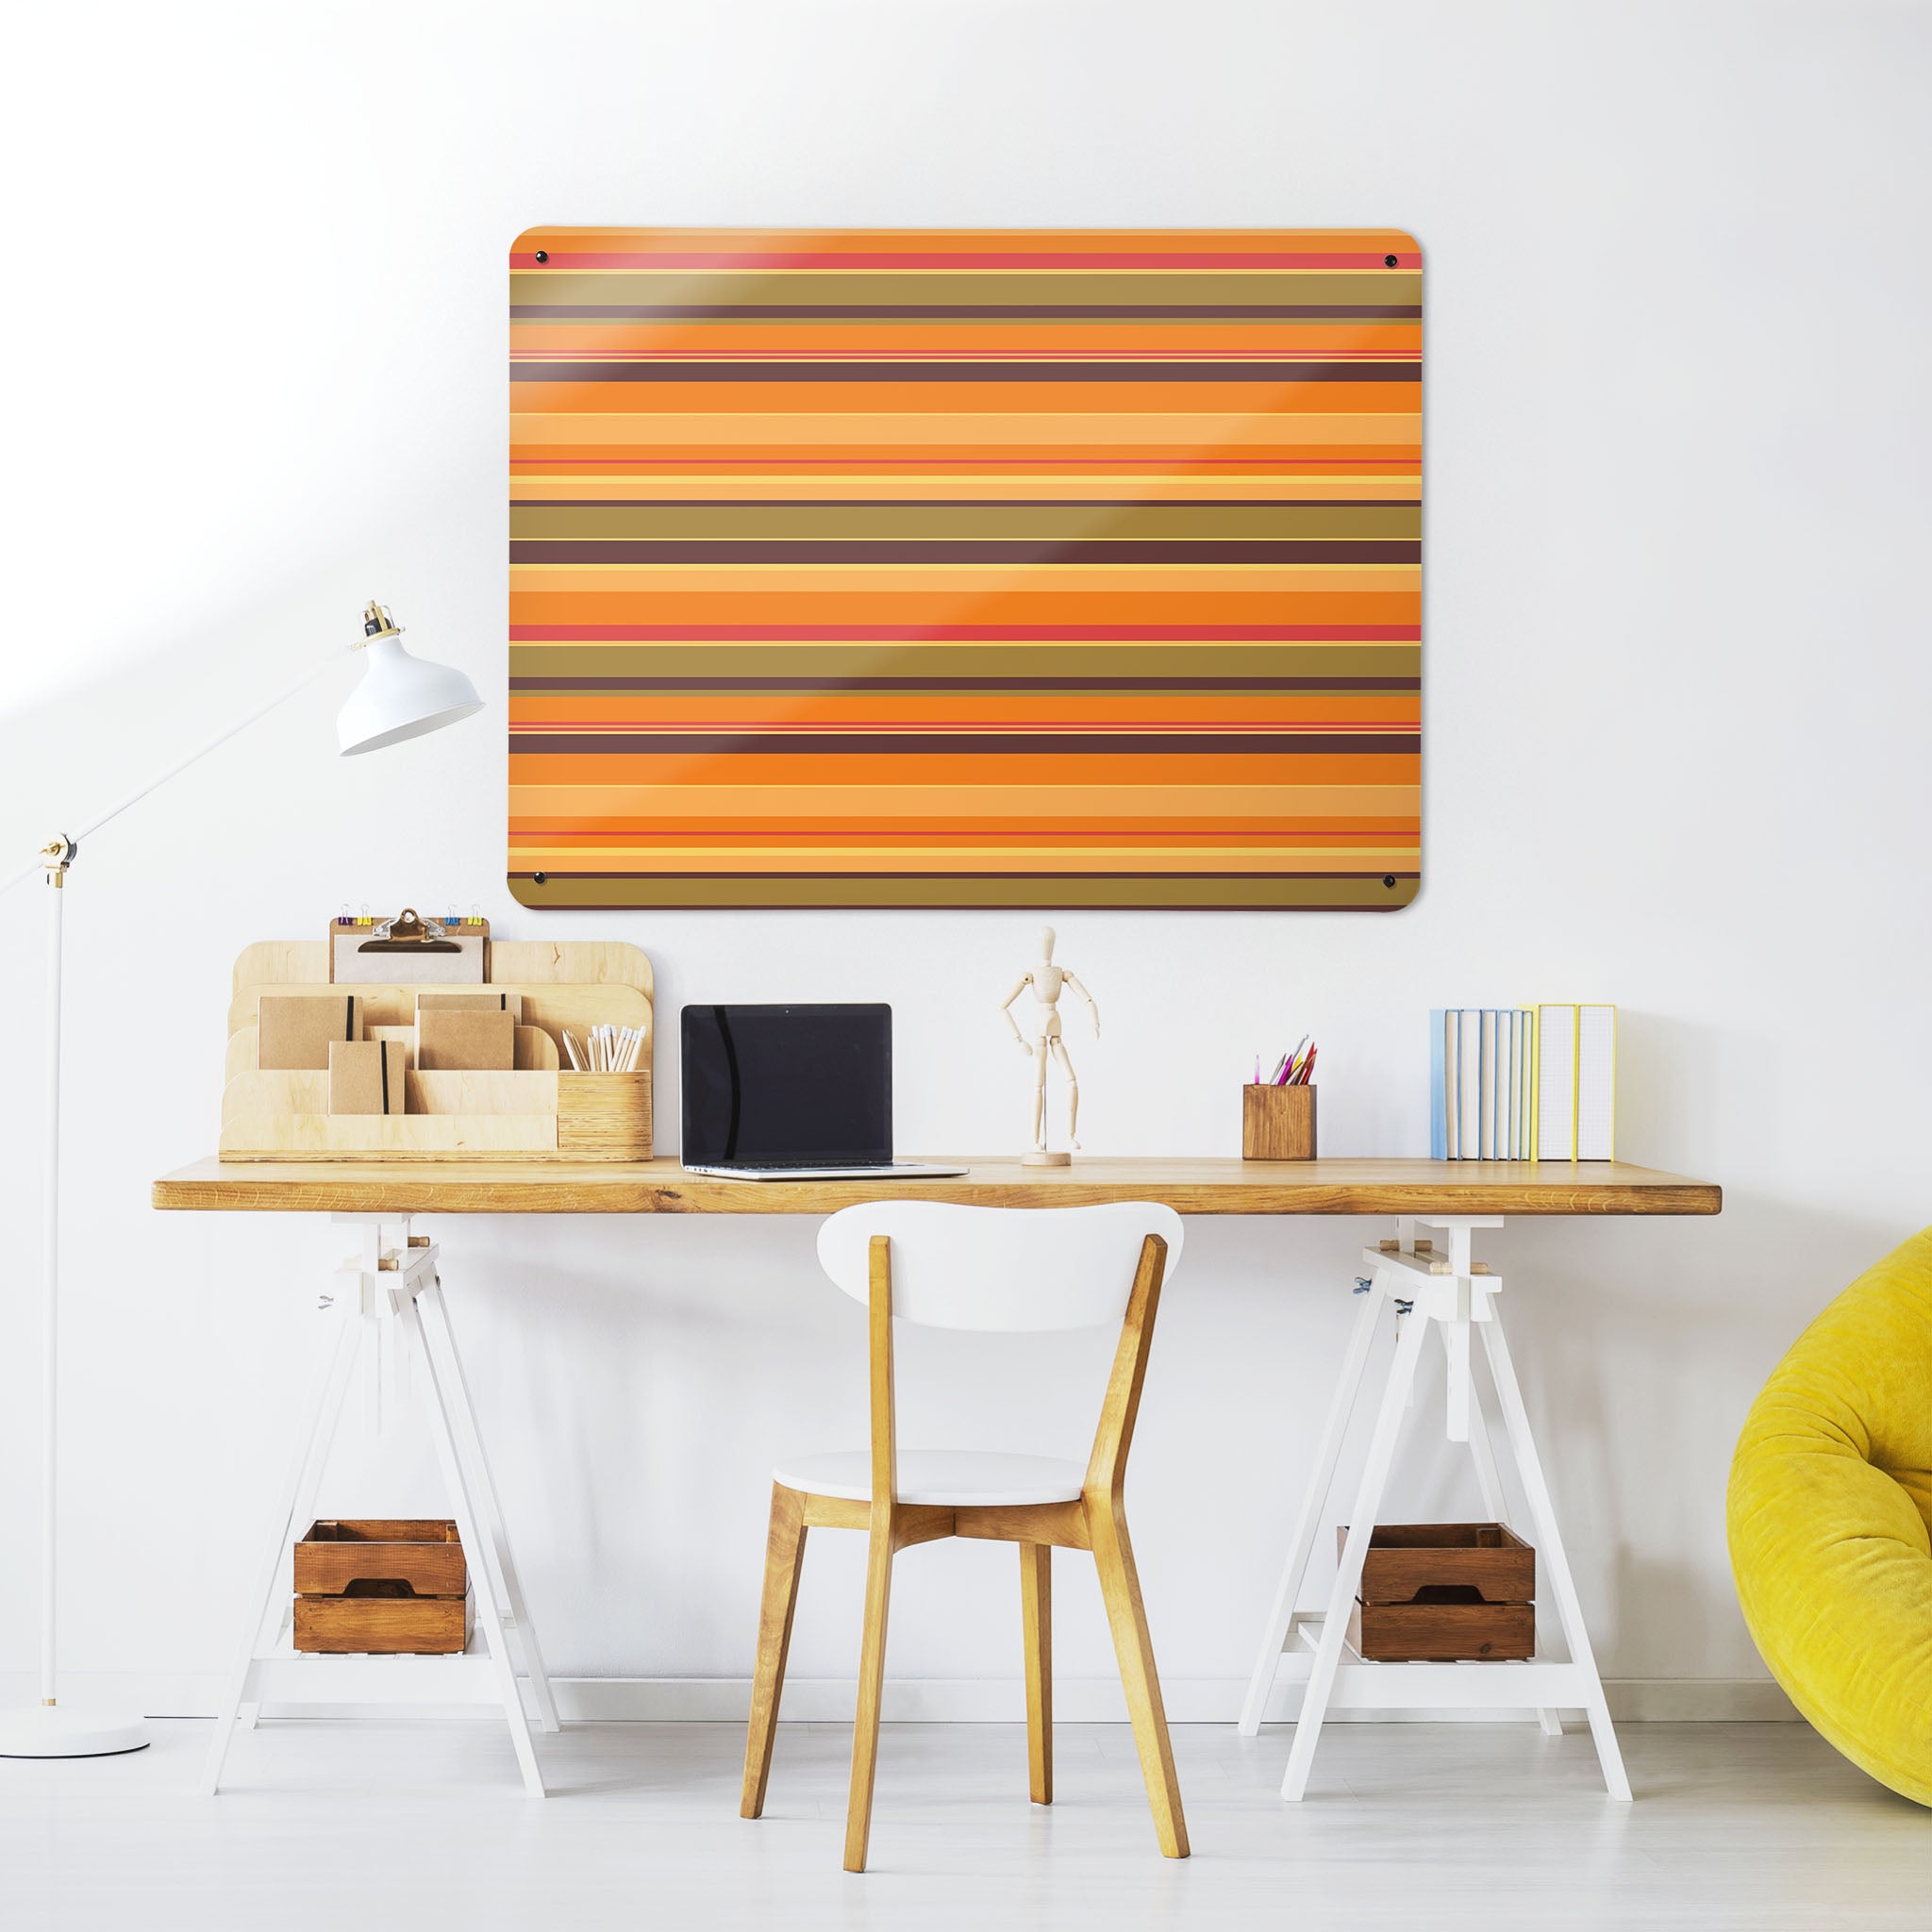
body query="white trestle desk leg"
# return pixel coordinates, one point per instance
(490, 1607)
(1314, 1507)
(440, 1340)
(1556, 1565)
(1368, 1502)
(392, 1286)
(298, 1498)
(1489, 1480)
(1431, 1285)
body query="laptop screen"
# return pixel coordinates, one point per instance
(788, 1086)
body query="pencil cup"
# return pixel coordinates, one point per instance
(1277, 1122)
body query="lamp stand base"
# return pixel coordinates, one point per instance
(50, 1730)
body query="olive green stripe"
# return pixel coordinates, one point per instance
(1218, 523)
(775, 289)
(724, 661)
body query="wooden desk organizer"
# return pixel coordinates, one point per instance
(538, 1112)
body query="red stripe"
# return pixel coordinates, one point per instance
(964, 633)
(797, 260)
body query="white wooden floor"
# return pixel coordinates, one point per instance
(346, 1826)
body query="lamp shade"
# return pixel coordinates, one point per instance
(401, 697)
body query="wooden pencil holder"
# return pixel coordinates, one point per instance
(1277, 1122)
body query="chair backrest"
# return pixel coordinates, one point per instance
(1011, 1271)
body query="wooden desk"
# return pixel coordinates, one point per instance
(1422, 1286)
(1190, 1187)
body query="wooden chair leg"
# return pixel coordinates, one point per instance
(1036, 1618)
(1120, 1588)
(784, 1555)
(871, 1681)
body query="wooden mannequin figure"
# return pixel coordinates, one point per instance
(1046, 979)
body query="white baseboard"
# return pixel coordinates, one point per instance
(940, 1700)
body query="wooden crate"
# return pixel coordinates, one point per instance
(1444, 1592)
(1441, 1632)
(385, 1585)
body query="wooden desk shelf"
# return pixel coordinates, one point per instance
(538, 1112)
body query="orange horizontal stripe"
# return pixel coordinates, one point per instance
(638, 402)
(862, 341)
(836, 857)
(918, 437)
(937, 465)
(1357, 482)
(1147, 772)
(964, 241)
(1035, 828)
(672, 805)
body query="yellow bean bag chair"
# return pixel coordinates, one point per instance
(1831, 1494)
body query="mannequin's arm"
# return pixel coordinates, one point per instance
(1092, 1004)
(1006, 1012)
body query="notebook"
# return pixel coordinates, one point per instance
(1596, 1083)
(1555, 1086)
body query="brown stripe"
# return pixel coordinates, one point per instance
(840, 745)
(911, 550)
(710, 370)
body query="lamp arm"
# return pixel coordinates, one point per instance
(175, 771)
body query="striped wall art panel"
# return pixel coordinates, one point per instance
(965, 568)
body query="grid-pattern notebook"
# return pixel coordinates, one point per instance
(1596, 1083)
(1555, 1083)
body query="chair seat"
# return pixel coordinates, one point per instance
(950, 1479)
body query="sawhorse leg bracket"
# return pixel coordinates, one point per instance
(390, 1303)
(1423, 1287)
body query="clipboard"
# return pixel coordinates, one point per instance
(448, 952)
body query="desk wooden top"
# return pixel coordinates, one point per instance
(1190, 1187)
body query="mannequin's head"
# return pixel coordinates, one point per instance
(1047, 942)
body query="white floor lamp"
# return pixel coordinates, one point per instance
(399, 697)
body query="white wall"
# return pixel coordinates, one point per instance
(1677, 684)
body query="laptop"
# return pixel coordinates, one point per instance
(792, 1093)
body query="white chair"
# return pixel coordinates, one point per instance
(1011, 1271)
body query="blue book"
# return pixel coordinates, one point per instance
(1438, 1084)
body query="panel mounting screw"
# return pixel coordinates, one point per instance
(1387, 260)
(543, 255)
(1387, 880)
(541, 878)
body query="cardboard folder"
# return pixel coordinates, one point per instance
(486, 999)
(450, 1038)
(294, 1030)
(366, 1076)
